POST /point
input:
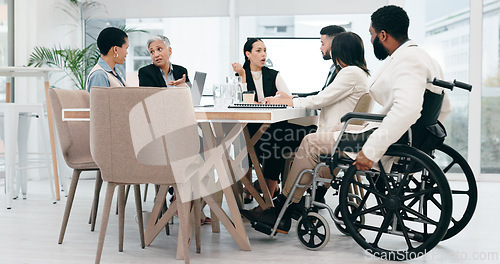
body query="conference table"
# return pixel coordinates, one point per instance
(215, 124)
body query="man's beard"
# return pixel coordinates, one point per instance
(379, 49)
(327, 56)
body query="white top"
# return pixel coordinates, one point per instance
(399, 88)
(338, 98)
(280, 85)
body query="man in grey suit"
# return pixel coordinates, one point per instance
(327, 33)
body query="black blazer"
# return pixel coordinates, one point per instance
(268, 82)
(151, 76)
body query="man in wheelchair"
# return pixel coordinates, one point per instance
(399, 87)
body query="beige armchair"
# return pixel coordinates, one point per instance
(74, 138)
(120, 144)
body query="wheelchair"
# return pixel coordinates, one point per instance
(404, 207)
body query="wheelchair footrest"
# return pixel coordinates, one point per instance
(263, 228)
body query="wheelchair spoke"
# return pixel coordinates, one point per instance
(373, 189)
(420, 193)
(406, 176)
(414, 201)
(363, 201)
(436, 202)
(460, 192)
(302, 232)
(383, 228)
(383, 175)
(321, 237)
(403, 228)
(419, 215)
(318, 224)
(369, 188)
(367, 211)
(447, 168)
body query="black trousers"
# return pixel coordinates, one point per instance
(279, 138)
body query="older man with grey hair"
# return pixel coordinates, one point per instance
(162, 73)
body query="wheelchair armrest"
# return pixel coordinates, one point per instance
(362, 116)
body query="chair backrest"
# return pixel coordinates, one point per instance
(143, 134)
(364, 105)
(74, 136)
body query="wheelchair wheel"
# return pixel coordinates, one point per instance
(352, 206)
(464, 193)
(407, 205)
(313, 231)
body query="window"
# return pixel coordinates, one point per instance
(446, 37)
(490, 102)
(198, 44)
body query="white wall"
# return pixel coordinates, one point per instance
(203, 8)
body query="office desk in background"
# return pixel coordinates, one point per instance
(12, 72)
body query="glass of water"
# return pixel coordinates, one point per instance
(218, 95)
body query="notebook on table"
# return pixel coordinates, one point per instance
(264, 106)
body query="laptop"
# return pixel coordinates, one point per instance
(197, 88)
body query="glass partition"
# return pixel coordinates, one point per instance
(446, 38)
(490, 102)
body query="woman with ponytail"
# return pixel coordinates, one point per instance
(259, 78)
(280, 137)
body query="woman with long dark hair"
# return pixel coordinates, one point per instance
(259, 78)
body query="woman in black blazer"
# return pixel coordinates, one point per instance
(162, 73)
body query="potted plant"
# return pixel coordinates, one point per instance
(75, 62)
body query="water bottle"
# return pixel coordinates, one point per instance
(239, 90)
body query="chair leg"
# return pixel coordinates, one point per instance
(197, 224)
(69, 203)
(125, 197)
(95, 203)
(138, 206)
(163, 210)
(104, 222)
(145, 191)
(183, 212)
(127, 190)
(121, 216)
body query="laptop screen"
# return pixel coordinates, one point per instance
(197, 88)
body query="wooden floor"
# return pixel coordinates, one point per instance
(29, 233)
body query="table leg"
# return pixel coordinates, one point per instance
(267, 202)
(208, 143)
(52, 141)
